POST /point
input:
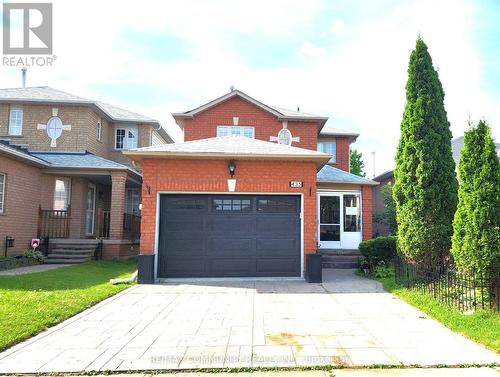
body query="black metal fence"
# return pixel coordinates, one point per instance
(466, 292)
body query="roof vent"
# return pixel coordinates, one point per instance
(231, 88)
(298, 108)
(23, 73)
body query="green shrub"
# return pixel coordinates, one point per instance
(378, 250)
(383, 272)
(34, 254)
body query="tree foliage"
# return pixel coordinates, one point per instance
(476, 237)
(425, 189)
(356, 163)
(389, 207)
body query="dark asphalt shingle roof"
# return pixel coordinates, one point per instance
(330, 174)
(77, 160)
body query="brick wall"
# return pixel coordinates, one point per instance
(20, 216)
(366, 203)
(82, 136)
(343, 150)
(211, 176)
(204, 125)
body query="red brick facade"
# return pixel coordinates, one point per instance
(190, 175)
(204, 125)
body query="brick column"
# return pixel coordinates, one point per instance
(366, 197)
(118, 180)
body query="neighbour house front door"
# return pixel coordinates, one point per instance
(90, 211)
(339, 216)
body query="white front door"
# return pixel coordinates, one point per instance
(90, 210)
(351, 222)
(329, 216)
(339, 220)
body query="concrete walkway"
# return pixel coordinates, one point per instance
(245, 324)
(431, 372)
(31, 269)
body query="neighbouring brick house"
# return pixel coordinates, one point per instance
(62, 173)
(251, 190)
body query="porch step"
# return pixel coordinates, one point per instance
(65, 260)
(342, 259)
(71, 250)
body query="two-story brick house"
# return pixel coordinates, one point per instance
(62, 173)
(251, 190)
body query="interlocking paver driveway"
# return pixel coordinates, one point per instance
(346, 320)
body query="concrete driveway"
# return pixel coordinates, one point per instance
(347, 320)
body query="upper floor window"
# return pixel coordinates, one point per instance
(16, 120)
(2, 192)
(329, 147)
(61, 194)
(99, 130)
(236, 131)
(126, 138)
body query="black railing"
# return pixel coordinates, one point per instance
(466, 292)
(54, 223)
(131, 226)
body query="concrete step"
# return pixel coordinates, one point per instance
(60, 250)
(340, 258)
(65, 260)
(70, 256)
(74, 241)
(341, 265)
(73, 246)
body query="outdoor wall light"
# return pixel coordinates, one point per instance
(231, 166)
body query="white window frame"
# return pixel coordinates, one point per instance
(99, 129)
(3, 183)
(130, 206)
(17, 129)
(126, 142)
(323, 148)
(68, 195)
(232, 130)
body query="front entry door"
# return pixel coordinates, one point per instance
(90, 211)
(329, 221)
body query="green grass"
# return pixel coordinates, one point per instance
(31, 303)
(482, 326)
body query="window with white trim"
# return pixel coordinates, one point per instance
(99, 129)
(126, 137)
(62, 194)
(16, 121)
(2, 192)
(329, 147)
(246, 131)
(132, 199)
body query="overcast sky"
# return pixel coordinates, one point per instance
(342, 59)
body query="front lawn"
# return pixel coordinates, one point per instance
(482, 326)
(33, 302)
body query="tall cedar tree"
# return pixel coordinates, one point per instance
(356, 163)
(425, 190)
(476, 237)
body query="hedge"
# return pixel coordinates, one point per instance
(378, 250)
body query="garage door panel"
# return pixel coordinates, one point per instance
(181, 267)
(276, 246)
(233, 267)
(186, 246)
(184, 222)
(229, 235)
(234, 225)
(278, 267)
(276, 226)
(232, 247)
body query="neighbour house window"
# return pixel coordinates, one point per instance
(16, 121)
(329, 147)
(61, 194)
(2, 193)
(236, 131)
(132, 201)
(126, 138)
(99, 130)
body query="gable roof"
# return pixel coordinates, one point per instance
(280, 113)
(329, 174)
(229, 147)
(47, 94)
